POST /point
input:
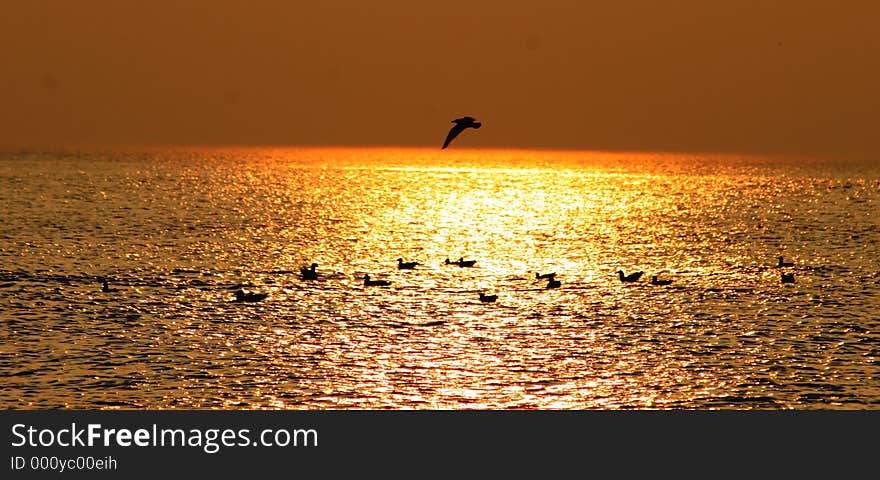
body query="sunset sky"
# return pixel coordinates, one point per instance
(683, 75)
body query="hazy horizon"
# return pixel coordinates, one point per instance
(685, 76)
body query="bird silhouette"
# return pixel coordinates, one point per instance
(548, 276)
(105, 287)
(460, 125)
(242, 296)
(487, 298)
(466, 263)
(461, 262)
(309, 273)
(632, 277)
(375, 283)
(406, 265)
(784, 264)
(654, 281)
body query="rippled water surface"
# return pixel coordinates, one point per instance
(177, 232)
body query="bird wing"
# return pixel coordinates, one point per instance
(453, 132)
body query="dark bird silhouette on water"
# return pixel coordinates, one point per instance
(487, 298)
(406, 265)
(632, 277)
(461, 262)
(105, 287)
(375, 283)
(309, 273)
(787, 278)
(548, 276)
(242, 296)
(784, 264)
(460, 125)
(654, 281)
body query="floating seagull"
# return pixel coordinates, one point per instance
(787, 278)
(488, 298)
(460, 125)
(242, 296)
(632, 277)
(461, 262)
(466, 263)
(548, 276)
(309, 273)
(784, 264)
(406, 265)
(105, 287)
(553, 283)
(654, 281)
(375, 283)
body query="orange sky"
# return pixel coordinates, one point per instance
(738, 75)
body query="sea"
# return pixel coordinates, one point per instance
(176, 232)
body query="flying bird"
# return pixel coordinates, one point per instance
(460, 125)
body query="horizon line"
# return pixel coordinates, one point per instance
(110, 147)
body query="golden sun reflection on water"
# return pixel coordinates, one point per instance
(179, 231)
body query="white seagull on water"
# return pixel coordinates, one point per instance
(460, 124)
